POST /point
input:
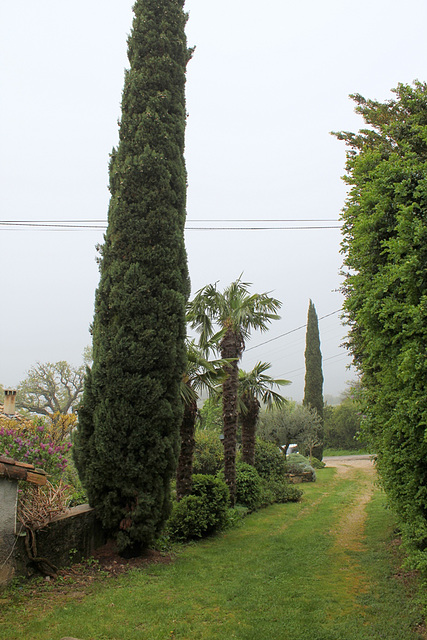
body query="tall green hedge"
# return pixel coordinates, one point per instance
(128, 434)
(385, 249)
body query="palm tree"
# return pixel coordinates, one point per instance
(201, 374)
(255, 387)
(235, 312)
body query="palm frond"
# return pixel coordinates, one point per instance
(260, 386)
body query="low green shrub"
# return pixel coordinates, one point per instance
(208, 453)
(201, 513)
(189, 518)
(316, 463)
(270, 461)
(248, 486)
(285, 492)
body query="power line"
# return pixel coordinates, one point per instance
(192, 225)
(104, 220)
(291, 331)
(301, 370)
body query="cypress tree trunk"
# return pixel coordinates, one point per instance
(231, 347)
(127, 443)
(313, 389)
(184, 471)
(248, 422)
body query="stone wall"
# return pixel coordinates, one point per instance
(66, 539)
(8, 502)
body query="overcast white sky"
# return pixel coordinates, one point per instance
(268, 82)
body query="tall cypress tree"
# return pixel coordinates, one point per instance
(127, 441)
(313, 388)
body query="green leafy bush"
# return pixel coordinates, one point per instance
(269, 460)
(208, 453)
(214, 492)
(248, 486)
(201, 513)
(267, 496)
(188, 519)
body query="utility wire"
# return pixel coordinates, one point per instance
(301, 370)
(192, 225)
(291, 331)
(104, 220)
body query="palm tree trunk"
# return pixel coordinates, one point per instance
(248, 421)
(184, 470)
(230, 348)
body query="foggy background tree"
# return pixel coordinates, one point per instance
(128, 437)
(51, 387)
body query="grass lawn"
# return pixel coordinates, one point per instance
(284, 574)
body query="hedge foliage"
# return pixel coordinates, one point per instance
(385, 250)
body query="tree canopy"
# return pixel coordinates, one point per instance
(289, 424)
(51, 387)
(385, 260)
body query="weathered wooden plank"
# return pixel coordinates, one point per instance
(36, 478)
(10, 471)
(25, 465)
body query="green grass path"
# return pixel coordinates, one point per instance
(307, 571)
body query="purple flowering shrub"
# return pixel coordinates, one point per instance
(45, 443)
(35, 446)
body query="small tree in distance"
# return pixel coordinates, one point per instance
(289, 424)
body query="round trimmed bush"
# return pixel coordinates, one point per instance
(201, 513)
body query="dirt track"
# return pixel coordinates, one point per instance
(340, 462)
(351, 530)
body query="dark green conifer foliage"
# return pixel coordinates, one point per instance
(127, 442)
(313, 388)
